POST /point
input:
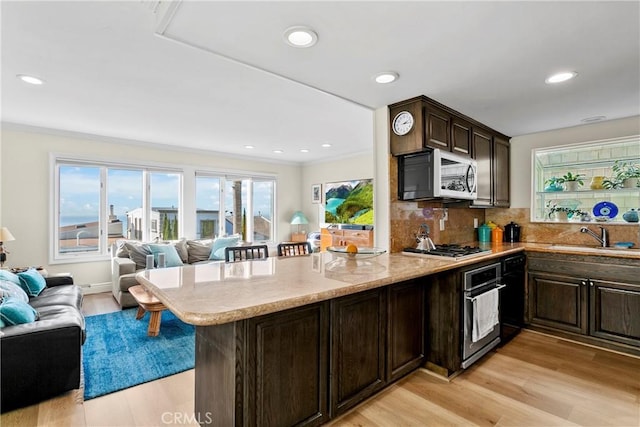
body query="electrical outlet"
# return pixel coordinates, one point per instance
(442, 224)
(475, 222)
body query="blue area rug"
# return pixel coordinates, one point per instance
(118, 354)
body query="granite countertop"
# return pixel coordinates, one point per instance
(218, 292)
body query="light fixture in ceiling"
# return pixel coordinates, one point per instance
(30, 79)
(386, 77)
(304, 150)
(249, 147)
(300, 36)
(561, 77)
(326, 145)
(593, 119)
(278, 151)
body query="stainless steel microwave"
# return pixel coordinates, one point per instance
(435, 174)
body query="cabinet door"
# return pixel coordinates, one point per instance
(615, 311)
(357, 348)
(501, 167)
(437, 128)
(482, 152)
(289, 351)
(558, 302)
(460, 137)
(413, 142)
(406, 328)
(360, 238)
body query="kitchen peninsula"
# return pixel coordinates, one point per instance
(301, 340)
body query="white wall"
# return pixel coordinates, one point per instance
(26, 182)
(521, 147)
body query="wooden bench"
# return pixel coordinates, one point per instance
(147, 302)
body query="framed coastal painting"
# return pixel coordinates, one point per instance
(316, 193)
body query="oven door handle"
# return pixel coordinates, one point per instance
(498, 287)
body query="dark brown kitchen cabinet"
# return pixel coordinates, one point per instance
(615, 311)
(593, 299)
(406, 328)
(461, 134)
(437, 128)
(558, 301)
(492, 153)
(289, 352)
(358, 342)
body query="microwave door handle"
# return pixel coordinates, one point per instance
(475, 179)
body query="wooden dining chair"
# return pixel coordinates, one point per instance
(242, 253)
(294, 248)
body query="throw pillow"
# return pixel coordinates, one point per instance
(16, 312)
(171, 257)
(11, 277)
(32, 282)
(199, 250)
(181, 247)
(138, 253)
(220, 244)
(11, 290)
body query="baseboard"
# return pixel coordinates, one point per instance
(96, 288)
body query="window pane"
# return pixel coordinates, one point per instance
(79, 216)
(207, 206)
(235, 205)
(263, 210)
(165, 204)
(124, 198)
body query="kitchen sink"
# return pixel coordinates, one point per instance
(594, 250)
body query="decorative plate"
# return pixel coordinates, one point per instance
(607, 209)
(362, 252)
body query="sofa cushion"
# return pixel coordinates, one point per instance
(138, 252)
(69, 295)
(11, 290)
(32, 282)
(182, 249)
(199, 250)
(11, 277)
(220, 244)
(16, 312)
(172, 259)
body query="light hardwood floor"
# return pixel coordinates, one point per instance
(535, 380)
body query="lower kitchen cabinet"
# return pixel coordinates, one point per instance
(289, 353)
(357, 348)
(593, 299)
(406, 328)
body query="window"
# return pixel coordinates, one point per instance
(235, 205)
(99, 204)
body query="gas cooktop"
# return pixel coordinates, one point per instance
(449, 252)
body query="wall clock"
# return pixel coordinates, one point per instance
(403, 123)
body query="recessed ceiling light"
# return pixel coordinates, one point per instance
(278, 151)
(304, 150)
(593, 119)
(30, 79)
(300, 36)
(249, 147)
(561, 77)
(326, 145)
(386, 77)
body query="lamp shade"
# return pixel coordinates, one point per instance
(299, 218)
(5, 235)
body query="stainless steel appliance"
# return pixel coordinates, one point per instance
(477, 282)
(437, 174)
(447, 252)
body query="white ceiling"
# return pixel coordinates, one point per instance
(218, 75)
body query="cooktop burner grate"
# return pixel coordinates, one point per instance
(451, 251)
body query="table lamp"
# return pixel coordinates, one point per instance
(5, 236)
(298, 219)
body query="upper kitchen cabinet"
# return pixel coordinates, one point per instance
(586, 182)
(421, 123)
(491, 151)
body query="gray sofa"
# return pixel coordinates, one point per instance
(129, 258)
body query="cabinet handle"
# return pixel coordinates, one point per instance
(583, 283)
(591, 282)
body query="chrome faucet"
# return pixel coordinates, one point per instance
(604, 235)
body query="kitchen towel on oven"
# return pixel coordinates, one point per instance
(485, 314)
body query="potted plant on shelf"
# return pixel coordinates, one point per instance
(562, 213)
(572, 181)
(625, 175)
(553, 184)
